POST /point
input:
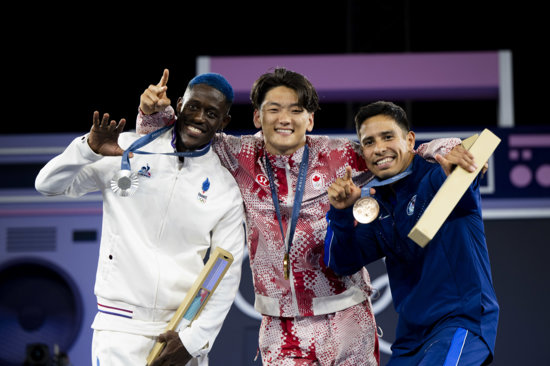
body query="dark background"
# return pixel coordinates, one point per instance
(64, 62)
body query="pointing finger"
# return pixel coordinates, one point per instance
(164, 79)
(347, 174)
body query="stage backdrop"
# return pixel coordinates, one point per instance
(49, 248)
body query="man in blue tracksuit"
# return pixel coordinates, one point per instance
(443, 293)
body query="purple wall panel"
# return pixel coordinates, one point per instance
(453, 75)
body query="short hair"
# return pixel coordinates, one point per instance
(382, 108)
(216, 81)
(307, 95)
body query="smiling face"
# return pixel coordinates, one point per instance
(387, 148)
(284, 122)
(203, 111)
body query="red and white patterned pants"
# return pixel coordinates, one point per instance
(344, 338)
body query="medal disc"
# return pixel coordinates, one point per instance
(365, 210)
(124, 183)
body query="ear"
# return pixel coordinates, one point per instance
(310, 123)
(257, 121)
(411, 139)
(179, 105)
(225, 121)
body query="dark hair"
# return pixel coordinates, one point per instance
(382, 108)
(307, 95)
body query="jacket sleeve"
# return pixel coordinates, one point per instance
(148, 123)
(69, 173)
(229, 234)
(228, 148)
(348, 247)
(443, 146)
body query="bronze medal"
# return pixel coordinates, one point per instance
(365, 210)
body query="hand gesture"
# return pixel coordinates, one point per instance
(343, 192)
(154, 98)
(103, 138)
(174, 352)
(461, 157)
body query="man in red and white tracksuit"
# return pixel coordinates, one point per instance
(315, 316)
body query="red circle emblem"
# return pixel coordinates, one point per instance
(262, 180)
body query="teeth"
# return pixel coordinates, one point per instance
(283, 130)
(194, 129)
(383, 161)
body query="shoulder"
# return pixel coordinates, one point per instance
(216, 168)
(328, 144)
(426, 171)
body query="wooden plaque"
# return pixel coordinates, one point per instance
(454, 187)
(209, 278)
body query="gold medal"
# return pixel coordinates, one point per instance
(365, 210)
(124, 183)
(286, 268)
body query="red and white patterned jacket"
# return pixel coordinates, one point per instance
(312, 288)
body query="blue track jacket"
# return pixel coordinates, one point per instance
(446, 284)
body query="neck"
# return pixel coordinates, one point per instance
(277, 151)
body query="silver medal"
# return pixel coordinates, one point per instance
(365, 210)
(124, 183)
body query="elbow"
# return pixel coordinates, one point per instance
(41, 187)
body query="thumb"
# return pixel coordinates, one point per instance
(118, 151)
(445, 164)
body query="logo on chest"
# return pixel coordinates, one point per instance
(262, 180)
(145, 171)
(201, 196)
(410, 206)
(317, 181)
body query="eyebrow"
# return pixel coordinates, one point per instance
(268, 103)
(383, 133)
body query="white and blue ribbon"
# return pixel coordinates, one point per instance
(365, 191)
(144, 140)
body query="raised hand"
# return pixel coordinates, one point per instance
(103, 138)
(461, 157)
(343, 192)
(154, 98)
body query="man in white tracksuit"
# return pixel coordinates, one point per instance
(157, 231)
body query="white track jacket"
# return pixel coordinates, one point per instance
(153, 242)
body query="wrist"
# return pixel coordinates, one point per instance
(146, 111)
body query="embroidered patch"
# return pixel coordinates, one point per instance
(262, 180)
(317, 181)
(145, 171)
(410, 206)
(201, 196)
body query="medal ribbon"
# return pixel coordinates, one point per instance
(144, 140)
(300, 186)
(365, 191)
